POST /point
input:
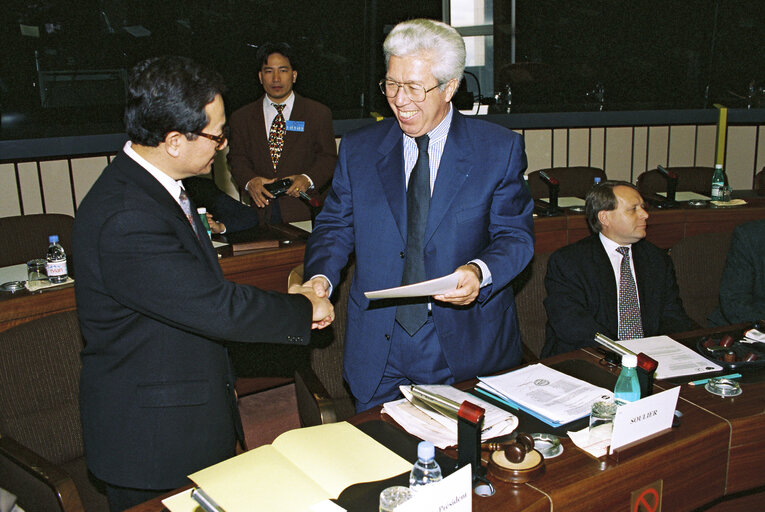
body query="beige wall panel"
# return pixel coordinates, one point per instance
(9, 195)
(618, 153)
(658, 139)
(706, 142)
(740, 156)
(86, 171)
(222, 174)
(639, 148)
(682, 140)
(30, 188)
(579, 147)
(538, 149)
(560, 148)
(597, 143)
(57, 187)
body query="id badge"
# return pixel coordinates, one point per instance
(295, 126)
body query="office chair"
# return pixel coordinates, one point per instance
(690, 179)
(759, 182)
(529, 288)
(25, 237)
(699, 261)
(42, 458)
(574, 181)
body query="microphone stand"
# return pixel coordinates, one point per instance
(672, 179)
(553, 188)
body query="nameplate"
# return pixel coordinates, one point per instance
(295, 126)
(647, 416)
(452, 494)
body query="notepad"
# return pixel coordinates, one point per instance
(300, 468)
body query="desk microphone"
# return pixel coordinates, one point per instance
(553, 187)
(672, 179)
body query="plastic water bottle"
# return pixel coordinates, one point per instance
(56, 265)
(202, 212)
(426, 470)
(718, 182)
(627, 385)
(596, 180)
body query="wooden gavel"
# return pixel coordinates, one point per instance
(515, 450)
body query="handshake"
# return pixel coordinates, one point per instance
(323, 311)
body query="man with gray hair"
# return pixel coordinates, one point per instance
(613, 282)
(429, 194)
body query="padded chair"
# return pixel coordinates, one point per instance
(529, 287)
(326, 362)
(41, 449)
(699, 261)
(574, 181)
(759, 182)
(690, 179)
(25, 237)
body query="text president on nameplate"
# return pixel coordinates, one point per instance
(415, 199)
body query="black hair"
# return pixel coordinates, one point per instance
(168, 94)
(267, 49)
(600, 198)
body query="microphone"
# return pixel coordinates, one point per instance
(553, 187)
(672, 179)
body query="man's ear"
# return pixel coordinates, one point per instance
(294, 76)
(173, 142)
(604, 218)
(450, 89)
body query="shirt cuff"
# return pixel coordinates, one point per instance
(325, 277)
(310, 186)
(486, 275)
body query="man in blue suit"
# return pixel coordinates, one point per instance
(416, 199)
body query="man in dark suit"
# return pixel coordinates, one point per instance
(742, 286)
(419, 197)
(302, 128)
(613, 282)
(156, 388)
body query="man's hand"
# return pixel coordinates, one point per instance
(260, 196)
(320, 286)
(299, 184)
(468, 286)
(323, 311)
(215, 226)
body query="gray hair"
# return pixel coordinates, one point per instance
(442, 44)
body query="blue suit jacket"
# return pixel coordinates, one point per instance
(480, 208)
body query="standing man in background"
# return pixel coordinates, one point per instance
(281, 135)
(419, 197)
(156, 388)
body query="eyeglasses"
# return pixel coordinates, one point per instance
(220, 140)
(415, 92)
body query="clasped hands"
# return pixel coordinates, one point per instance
(323, 311)
(262, 197)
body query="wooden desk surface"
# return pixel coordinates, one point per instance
(716, 451)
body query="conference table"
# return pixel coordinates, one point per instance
(712, 459)
(268, 268)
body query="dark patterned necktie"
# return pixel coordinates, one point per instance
(276, 135)
(186, 207)
(413, 316)
(630, 325)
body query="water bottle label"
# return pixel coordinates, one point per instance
(56, 268)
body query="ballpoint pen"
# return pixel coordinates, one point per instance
(704, 381)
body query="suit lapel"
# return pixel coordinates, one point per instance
(298, 114)
(645, 279)
(390, 169)
(606, 283)
(260, 140)
(453, 170)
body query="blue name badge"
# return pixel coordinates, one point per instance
(295, 126)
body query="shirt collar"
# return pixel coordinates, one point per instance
(609, 245)
(172, 186)
(288, 102)
(441, 130)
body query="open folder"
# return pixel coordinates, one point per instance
(300, 468)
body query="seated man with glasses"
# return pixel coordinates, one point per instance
(418, 197)
(157, 389)
(281, 135)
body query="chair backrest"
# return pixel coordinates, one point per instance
(25, 237)
(574, 181)
(699, 261)
(529, 287)
(689, 179)
(759, 182)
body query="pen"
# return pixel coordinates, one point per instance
(205, 501)
(704, 381)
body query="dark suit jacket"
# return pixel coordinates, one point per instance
(742, 286)
(224, 208)
(156, 389)
(480, 208)
(582, 295)
(312, 152)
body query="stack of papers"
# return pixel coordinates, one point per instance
(549, 395)
(422, 421)
(675, 360)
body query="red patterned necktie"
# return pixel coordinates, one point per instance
(276, 135)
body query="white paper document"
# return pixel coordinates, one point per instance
(566, 202)
(674, 358)
(423, 289)
(425, 423)
(686, 196)
(454, 493)
(545, 392)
